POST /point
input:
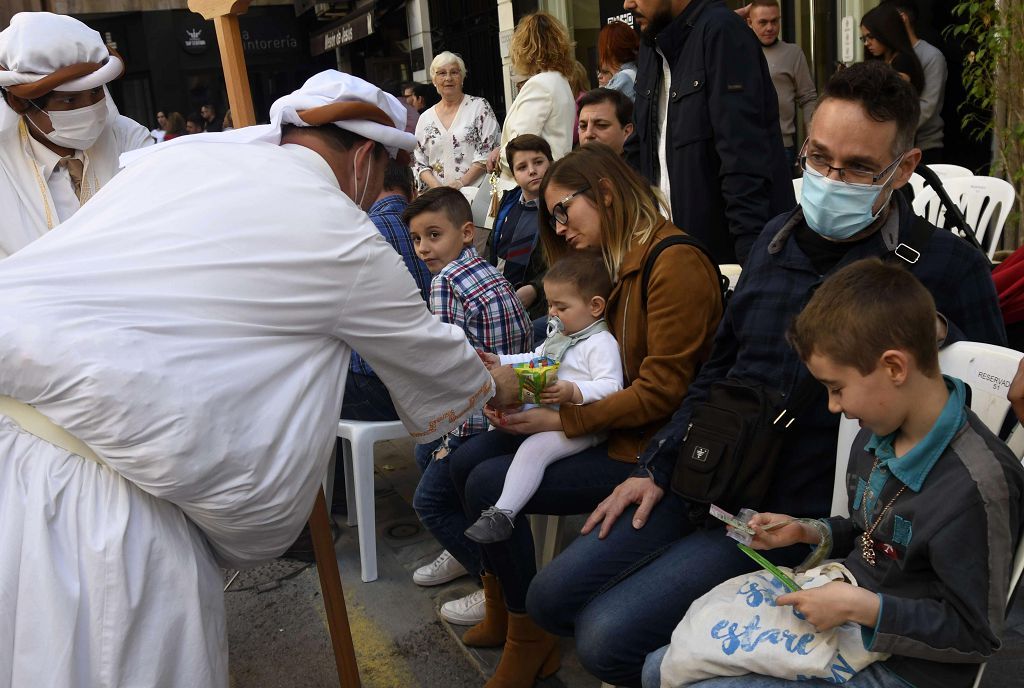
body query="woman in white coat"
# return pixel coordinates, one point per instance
(545, 106)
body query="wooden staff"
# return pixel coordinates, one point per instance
(224, 14)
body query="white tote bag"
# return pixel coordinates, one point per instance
(737, 629)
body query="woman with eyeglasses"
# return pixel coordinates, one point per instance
(455, 136)
(884, 36)
(591, 201)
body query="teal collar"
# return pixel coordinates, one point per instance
(913, 467)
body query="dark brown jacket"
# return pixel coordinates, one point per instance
(661, 345)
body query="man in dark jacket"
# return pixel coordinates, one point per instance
(642, 563)
(707, 123)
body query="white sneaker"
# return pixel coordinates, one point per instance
(465, 611)
(443, 569)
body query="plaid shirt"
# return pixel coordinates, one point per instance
(386, 216)
(750, 345)
(470, 293)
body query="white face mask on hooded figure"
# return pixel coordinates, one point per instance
(77, 129)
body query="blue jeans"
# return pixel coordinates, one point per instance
(573, 485)
(366, 398)
(622, 597)
(437, 504)
(874, 676)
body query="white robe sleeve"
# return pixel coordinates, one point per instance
(435, 378)
(130, 135)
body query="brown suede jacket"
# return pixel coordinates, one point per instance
(661, 346)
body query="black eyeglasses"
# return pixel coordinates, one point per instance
(867, 37)
(560, 213)
(818, 164)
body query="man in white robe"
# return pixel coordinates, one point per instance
(60, 133)
(197, 341)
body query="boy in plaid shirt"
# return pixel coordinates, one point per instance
(466, 290)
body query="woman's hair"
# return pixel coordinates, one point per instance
(617, 44)
(447, 58)
(175, 123)
(886, 26)
(579, 82)
(540, 43)
(631, 215)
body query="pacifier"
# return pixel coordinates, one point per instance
(555, 326)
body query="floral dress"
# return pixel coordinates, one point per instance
(449, 152)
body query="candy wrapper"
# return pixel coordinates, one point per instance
(534, 376)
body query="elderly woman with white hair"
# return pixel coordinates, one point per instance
(454, 136)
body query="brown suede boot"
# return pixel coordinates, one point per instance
(492, 630)
(530, 653)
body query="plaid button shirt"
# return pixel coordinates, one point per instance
(386, 216)
(750, 345)
(471, 294)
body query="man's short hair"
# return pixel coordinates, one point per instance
(398, 177)
(884, 95)
(585, 271)
(196, 118)
(862, 311)
(763, 3)
(337, 138)
(623, 105)
(442, 199)
(527, 142)
(428, 93)
(907, 7)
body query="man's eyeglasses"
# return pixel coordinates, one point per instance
(560, 213)
(816, 163)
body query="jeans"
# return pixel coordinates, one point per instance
(791, 158)
(540, 330)
(874, 676)
(366, 398)
(438, 507)
(622, 597)
(573, 485)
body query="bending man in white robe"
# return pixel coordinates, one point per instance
(60, 134)
(197, 341)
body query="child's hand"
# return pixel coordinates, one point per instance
(782, 536)
(490, 361)
(561, 392)
(833, 604)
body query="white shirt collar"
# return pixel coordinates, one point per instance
(313, 160)
(46, 158)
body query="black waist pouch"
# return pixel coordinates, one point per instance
(731, 448)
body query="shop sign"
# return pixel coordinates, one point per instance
(195, 40)
(342, 35)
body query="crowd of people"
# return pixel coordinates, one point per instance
(539, 300)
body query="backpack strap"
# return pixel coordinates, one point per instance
(678, 240)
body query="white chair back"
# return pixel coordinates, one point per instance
(798, 185)
(917, 184)
(950, 171)
(978, 199)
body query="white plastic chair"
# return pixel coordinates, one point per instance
(950, 171)
(917, 184)
(977, 198)
(358, 440)
(732, 271)
(988, 371)
(798, 185)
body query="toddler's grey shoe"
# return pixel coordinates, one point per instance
(494, 525)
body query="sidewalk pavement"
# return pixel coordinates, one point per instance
(277, 631)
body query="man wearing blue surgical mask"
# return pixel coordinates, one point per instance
(859, 150)
(60, 134)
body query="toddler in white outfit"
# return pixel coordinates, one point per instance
(590, 368)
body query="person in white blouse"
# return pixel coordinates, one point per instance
(60, 133)
(546, 106)
(454, 137)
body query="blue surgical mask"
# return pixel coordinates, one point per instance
(837, 210)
